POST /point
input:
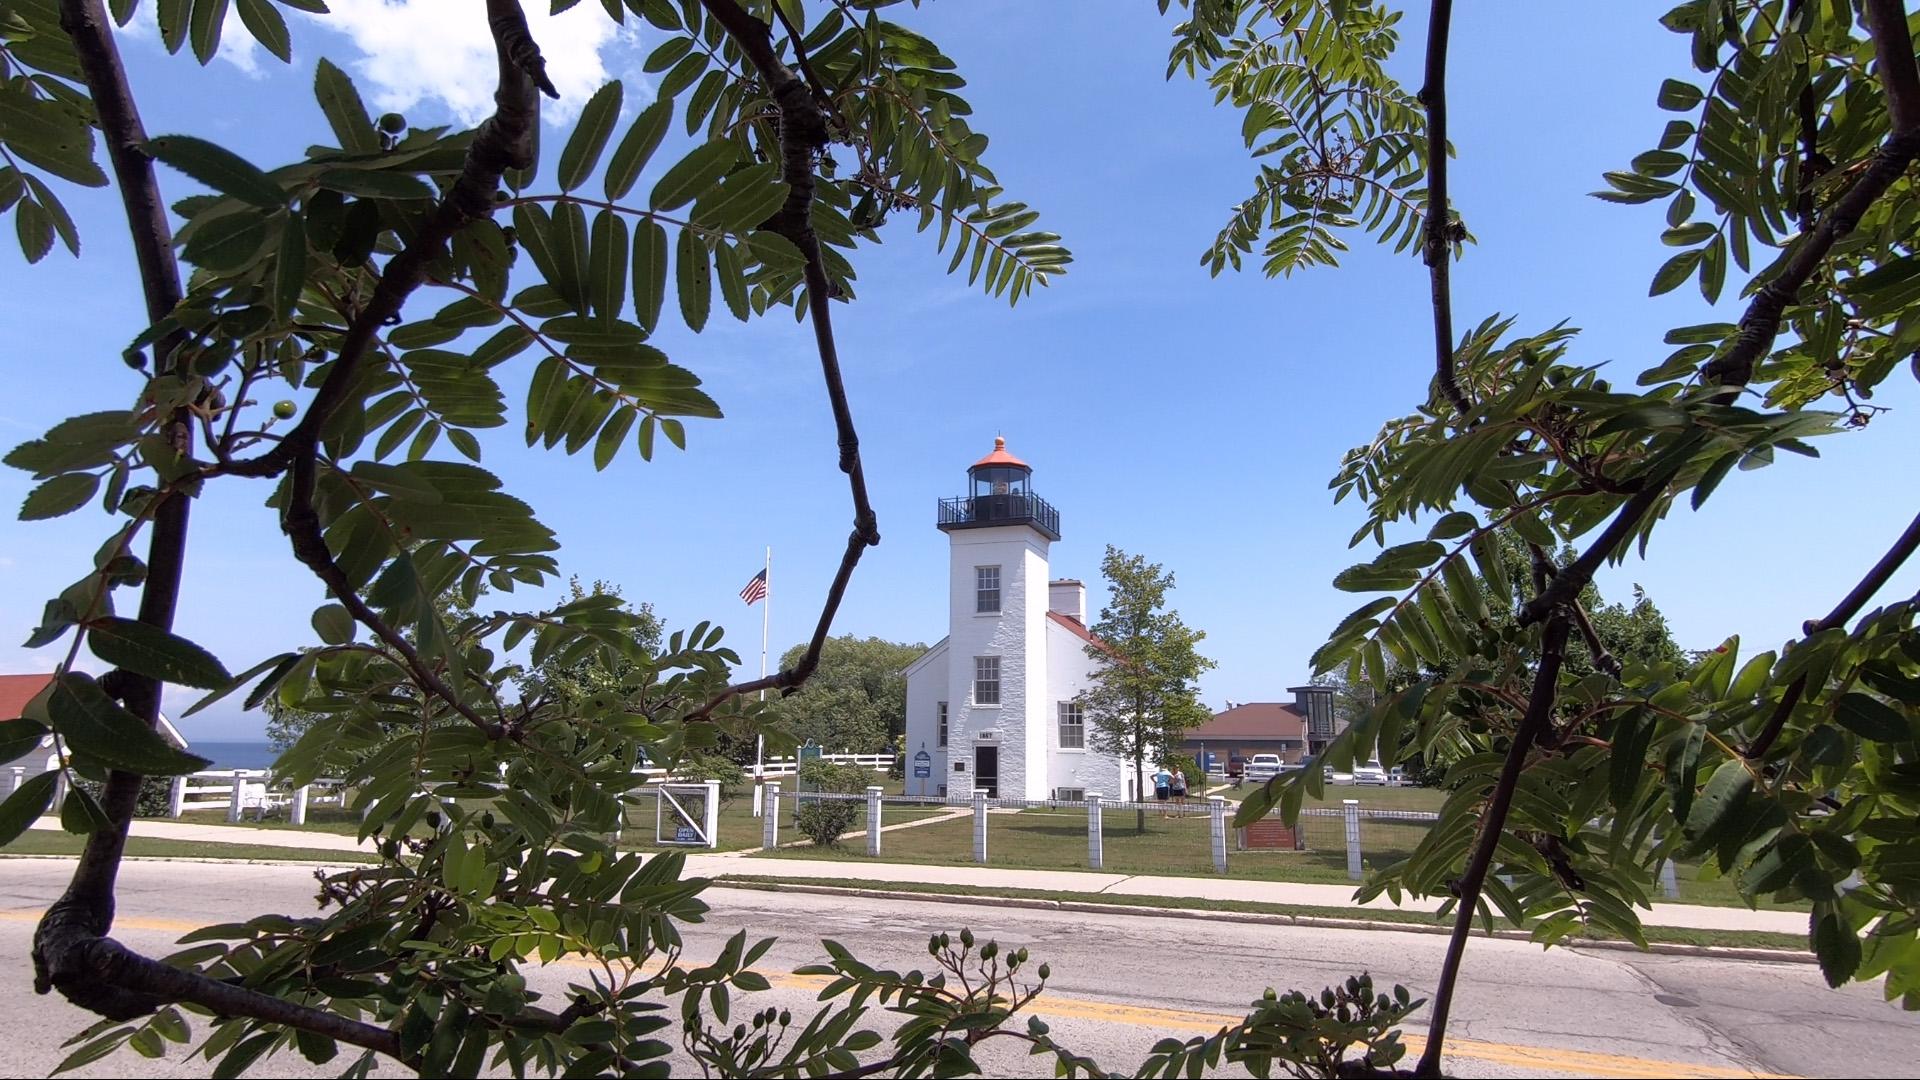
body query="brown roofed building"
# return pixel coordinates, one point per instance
(1256, 727)
(15, 692)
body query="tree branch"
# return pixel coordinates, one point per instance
(1842, 614)
(803, 132)
(504, 141)
(1439, 223)
(85, 911)
(70, 951)
(1492, 823)
(1893, 49)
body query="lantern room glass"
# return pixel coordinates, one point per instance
(1001, 480)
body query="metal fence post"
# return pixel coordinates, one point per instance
(298, 815)
(235, 796)
(1669, 880)
(711, 818)
(176, 796)
(980, 825)
(1096, 851)
(1350, 809)
(1217, 831)
(770, 819)
(873, 818)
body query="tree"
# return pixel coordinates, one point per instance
(1144, 696)
(857, 697)
(571, 680)
(1625, 636)
(1788, 169)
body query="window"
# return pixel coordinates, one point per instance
(1073, 726)
(940, 710)
(986, 680)
(986, 590)
(1070, 794)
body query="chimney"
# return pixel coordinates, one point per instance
(1069, 598)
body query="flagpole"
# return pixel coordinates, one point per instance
(766, 620)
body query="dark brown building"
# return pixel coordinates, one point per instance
(1257, 727)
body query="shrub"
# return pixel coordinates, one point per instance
(823, 820)
(156, 795)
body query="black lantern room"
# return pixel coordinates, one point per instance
(1000, 494)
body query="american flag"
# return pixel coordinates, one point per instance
(756, 589)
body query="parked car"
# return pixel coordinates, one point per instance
(1397, 777)
(1370, 774)
(1335, 777)
(1263, 767)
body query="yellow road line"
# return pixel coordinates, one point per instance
(1529, 1057)
(1585, 1062)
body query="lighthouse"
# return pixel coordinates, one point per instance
(993, 705)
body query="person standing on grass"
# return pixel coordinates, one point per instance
(1179, 788)
(1162, 787)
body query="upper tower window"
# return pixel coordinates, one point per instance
(986, 590)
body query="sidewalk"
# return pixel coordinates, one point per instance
(985, 879)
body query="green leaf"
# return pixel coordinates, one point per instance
(218, 168)
(61, 495)
(345, 112)
(694, 273)
(19, 736)
(1718, 803)
(692, 175)
(149, 650)
(607, 266)
(637, 147)
(650, 272)
(1677, 96)
(264, 22)
(1452, 526)
(94, 726)
(743, 200)
(290, 269)
(25, 806)
(81, 813)
(334, 624)
(1871, 718)
(209, 16)
(590, 134)
(1674, 271)
(375, 183)
(1836, 944)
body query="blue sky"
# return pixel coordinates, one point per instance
(1192, 420)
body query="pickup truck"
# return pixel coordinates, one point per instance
(1263, 767)
(1370, 774)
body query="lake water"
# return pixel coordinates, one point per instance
(235, 755)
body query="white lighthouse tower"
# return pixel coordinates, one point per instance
(992, 706)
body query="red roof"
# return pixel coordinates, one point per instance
(1000, 456)
(1079, 631)
(17, 690)
(1253, 720)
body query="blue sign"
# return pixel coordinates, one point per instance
(686, 834)
(922, 765)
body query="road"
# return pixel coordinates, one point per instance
(1122, 981)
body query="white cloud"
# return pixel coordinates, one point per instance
(440, 52)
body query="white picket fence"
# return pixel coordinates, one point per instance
(241, 790)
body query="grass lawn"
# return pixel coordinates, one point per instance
(327, 819)
(1655, 934)
(48, 842)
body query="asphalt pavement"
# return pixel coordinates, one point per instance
(1120, 981)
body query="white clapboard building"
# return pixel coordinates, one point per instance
(992, 704)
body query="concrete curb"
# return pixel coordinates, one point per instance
(1719, 952)
(209, 859)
